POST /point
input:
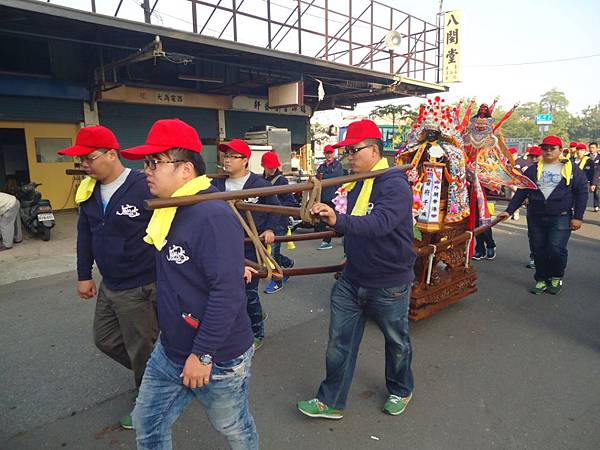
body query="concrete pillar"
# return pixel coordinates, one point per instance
(90, 117)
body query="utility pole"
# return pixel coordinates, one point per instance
(146, 7)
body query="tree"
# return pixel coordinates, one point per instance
(587, 126)
(553, 101)
(319, 133)
(400, 112)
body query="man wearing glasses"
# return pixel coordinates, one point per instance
(554, 210)
(376, 281)
(205, 348)
(110, 230)
(236, 155)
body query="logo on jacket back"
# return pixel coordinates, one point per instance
(177, 254)
(129, 211)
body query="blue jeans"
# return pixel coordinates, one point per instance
(282, 260)
(548, 238)
(350, 306)
(163, 397)
(253, 306)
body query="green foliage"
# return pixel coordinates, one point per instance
(568, 127)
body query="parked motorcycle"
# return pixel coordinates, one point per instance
(36, 213)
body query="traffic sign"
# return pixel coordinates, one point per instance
(544, 119)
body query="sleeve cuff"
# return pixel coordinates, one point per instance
(341, 223)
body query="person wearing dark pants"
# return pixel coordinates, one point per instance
(594, 187)
(331, 168)
(554, 209)
(205, 348)
(485, 246)
(236, 154)
(376, 281)
(270, 163)
(110, 229)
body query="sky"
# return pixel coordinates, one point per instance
(497, 39)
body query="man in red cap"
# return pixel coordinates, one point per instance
(330, 168)
(112, 222)
(205, 347)
(554, 210)
(532, 156)
(376, 281)
(270, 163)
(236, 154)
(584, 162)
(571, 152)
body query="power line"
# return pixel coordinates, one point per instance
(536, 62)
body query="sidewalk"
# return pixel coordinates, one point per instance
(35, 258)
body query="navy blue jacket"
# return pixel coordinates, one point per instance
(588, 169)
(324, 172)
(200, 272)
(114, 239)
(284, 199)
(596, 180)
(263, 221)
(572, 198)
(379, 246)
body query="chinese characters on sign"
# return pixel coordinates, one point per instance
(244, 103)
(451, 47)
(169, 98)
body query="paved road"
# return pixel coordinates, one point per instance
(502, 369)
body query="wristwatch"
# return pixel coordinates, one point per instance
(205, 359)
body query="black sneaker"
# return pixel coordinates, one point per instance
(477, 256)
(491, 253)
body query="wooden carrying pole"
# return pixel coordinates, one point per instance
(264, 192)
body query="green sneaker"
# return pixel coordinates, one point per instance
(555, 286)
(258, 343)
(316, 408)
(126, 422)
(539, 288)
(395, 405)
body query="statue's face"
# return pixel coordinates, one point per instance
(432, 135)
(484, 110)
(480, 124)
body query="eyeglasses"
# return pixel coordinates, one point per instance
(232, 156)
(353, 150)
(88, 159)
(151, 163)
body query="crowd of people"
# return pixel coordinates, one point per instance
(177, 303)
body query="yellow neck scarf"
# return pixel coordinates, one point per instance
(583, 161)
(85, 190)
(160, 223)
(566, 171)
(362, 202)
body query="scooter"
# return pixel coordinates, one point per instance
(36, 213)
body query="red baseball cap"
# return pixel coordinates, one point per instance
(534, 150)
(513, 150)
(552, 140)
(573, 144)
(581, 147)
(359, 131)
(329, 149)
(90, 139)
(164, 135)
(270, 160)
(238, 146)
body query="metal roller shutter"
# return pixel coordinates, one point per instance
(131, 123)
